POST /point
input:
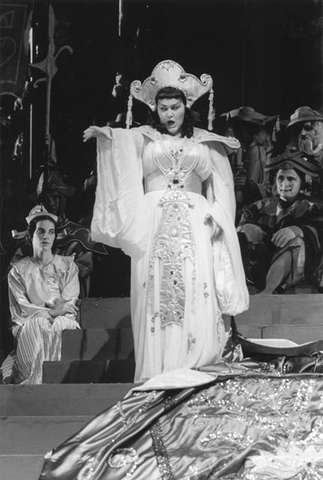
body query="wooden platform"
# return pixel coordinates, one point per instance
(97, 370)
(102, 351)
(34, 419)
(296, 317)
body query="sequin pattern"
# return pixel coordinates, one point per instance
(251, 426)
(174, 240)
(278, 410)
(125, 457)
(161, 453)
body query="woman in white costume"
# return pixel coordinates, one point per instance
(165, 196)
(43, 290)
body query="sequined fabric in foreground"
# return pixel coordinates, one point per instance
(246, 427)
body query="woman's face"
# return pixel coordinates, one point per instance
(44, 236)
(288, 184)
(171, 113)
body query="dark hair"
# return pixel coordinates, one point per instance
(189, 118)
(33, 224)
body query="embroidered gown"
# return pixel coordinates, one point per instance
(31, 291)
(173, 212)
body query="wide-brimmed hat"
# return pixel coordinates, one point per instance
(305, 114)
(296, 160)
(40, 211)
(249, 114)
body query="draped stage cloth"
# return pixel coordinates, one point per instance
(259, 418)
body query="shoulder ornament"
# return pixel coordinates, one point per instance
(203, 136)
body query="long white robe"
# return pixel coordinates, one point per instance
(154, 202)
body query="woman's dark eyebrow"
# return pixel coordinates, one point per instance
(174, 104)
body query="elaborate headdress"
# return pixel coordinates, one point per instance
(40, 211)
(170, 74)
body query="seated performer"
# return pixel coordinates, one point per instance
(179, 231)
(43, 290)
(281, 237)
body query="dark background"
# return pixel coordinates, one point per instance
(263, 53)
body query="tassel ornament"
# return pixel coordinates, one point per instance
(211, 110)
(129, 112)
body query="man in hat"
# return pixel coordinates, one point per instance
(308, 125)
(253, 130)
(305, 129)
(281, 236)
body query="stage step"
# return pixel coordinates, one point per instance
(53, 399)
(34, 419)
(296, 317)
(102, 351)
(105, 313)
(299, 308)
(20, 467)
(37, 434)
(89, 371)
(97, 344)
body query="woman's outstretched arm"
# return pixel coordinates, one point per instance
(93, 132)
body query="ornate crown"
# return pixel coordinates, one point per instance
(170, 74)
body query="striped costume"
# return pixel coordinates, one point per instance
(32, 292)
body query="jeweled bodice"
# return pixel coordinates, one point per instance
(165, 165)
(176, 171)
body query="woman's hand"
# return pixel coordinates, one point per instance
(93, 132)
(63, 307)
(214, 227)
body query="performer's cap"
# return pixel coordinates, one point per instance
(296, 160)
(40, 211)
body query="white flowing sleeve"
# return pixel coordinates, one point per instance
(119, 218)
(229, 274)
